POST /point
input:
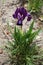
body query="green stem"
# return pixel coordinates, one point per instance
(21, 27)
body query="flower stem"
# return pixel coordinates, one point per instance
(21, 27)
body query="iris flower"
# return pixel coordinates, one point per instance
(20, 14)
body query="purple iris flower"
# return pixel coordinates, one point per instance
(20, 14)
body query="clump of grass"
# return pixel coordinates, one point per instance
(35, 5)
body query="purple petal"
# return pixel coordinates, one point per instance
(14, 16)
(29, 17)
(16, 13)
(19, 23)
(19, 16)
(23, 12)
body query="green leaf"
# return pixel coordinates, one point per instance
(15, 51)
(29, 61)
(22, 46)
(33, 35)
(28, 33)
(30, 28)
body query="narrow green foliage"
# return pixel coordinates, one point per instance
(35, 5)
(22, 49)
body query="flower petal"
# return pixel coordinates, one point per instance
(19, 23)
(19, 16)
(16, 13)
(29, 17)
(14, 16)
(23, 12)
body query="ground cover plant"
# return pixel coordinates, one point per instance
(35, 5)
(35, 8)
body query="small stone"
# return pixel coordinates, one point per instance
(7, 33)
(41, 18)
(11, 24)
(3, 20)
(1, 51)
(25, 6)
